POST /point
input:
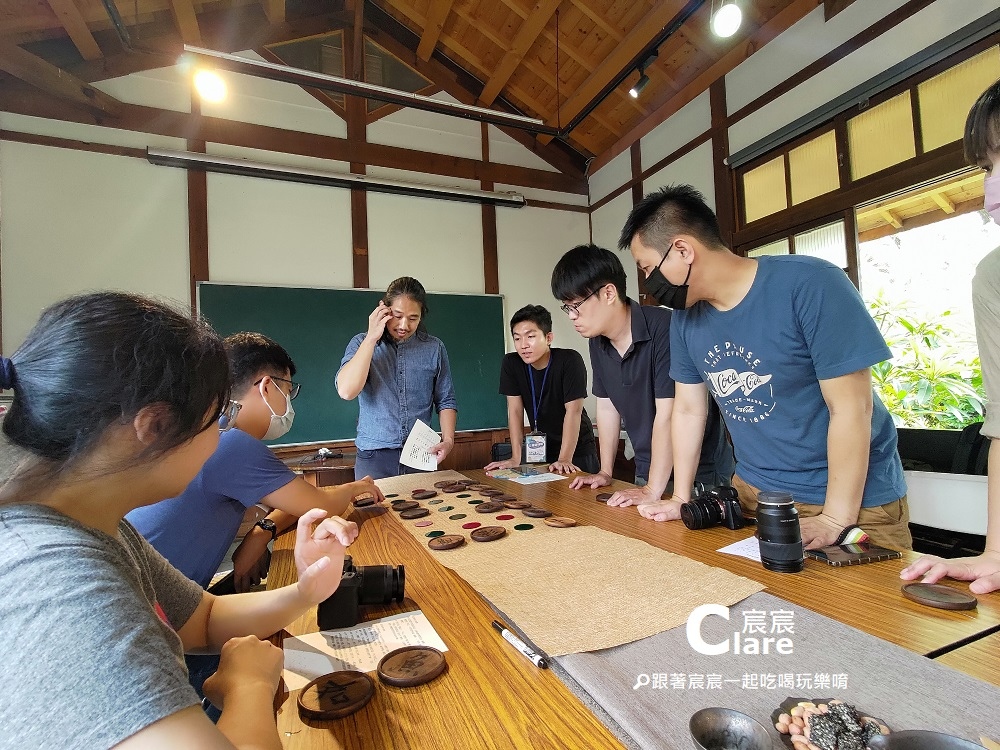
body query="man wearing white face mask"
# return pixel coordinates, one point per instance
(982, 149)
(195, 529)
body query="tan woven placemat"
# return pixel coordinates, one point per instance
(573, 589)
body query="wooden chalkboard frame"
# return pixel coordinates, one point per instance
(315, 324)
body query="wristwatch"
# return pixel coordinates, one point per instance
(268, 525)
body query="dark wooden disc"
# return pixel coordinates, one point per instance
(448, 541)
(490, 493)
(363, 501)
(490, 507)
(536, 512)
(336, 695)
(439, 485)
(560, 522)
(405, 505)
(423, 495)
(412, 513)
(411, 665)
(604, 497)
(939, 596)
(514, 504)
(452, 488)
(488, 533)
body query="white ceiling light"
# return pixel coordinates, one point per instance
(210, 85)
(727, 19)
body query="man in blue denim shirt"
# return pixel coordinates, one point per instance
(399, 373)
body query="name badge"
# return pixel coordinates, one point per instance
(534, 448)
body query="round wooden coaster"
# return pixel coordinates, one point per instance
(423, 494)
(363, 501)
(489, 507)
(490, 493)
(479, 487)
(411, 665)
(515, 504)
(452, 488)
(439, 485)
(405, 505)
(536, 512)
(504, 498)
(448, 541)
(604, 497)
(560, 522)
(336, 695)
(941, 597)
(488, 533)
(412, 513)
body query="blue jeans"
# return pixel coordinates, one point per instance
(380, 463)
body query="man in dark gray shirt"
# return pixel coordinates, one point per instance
(630, 363)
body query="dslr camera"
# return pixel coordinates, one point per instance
(360, 584)
(718, 506)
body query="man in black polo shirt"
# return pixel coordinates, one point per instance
(550, 385)
(630, 360)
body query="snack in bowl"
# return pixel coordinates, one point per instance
(827, 725)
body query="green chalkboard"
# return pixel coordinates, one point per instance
(315, 325)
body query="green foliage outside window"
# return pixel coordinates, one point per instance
(934, 380)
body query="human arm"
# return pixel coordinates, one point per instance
(849, 399)
(609, 424)
(319, 558)
(983, 570)
(515, 426)
(353, 374)
(289, 503)
(687, 430)
(449, 420)
(570, 436)
(661, 461)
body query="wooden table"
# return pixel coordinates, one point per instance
(493, 697)
(327, 472)
(980, 659)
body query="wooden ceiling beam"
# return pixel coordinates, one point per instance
(54, 81)
(358, 66)
(187, 21)
(76, 27)
(942, 200)
(274, 10)
(399, 41)
(891, 218)
(437, 14)
(667, 103)
(644, 31)
(526, 36)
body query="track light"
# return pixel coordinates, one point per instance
(727, 19)
(643, 78)
(639, 86)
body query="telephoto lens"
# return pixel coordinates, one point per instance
(778, 532)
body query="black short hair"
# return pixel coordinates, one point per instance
(585, 269)
(668, 212)
(254, 355)
(982, 127)
(407, 286)
(96, 360)
(534, 314)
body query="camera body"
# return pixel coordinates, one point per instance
(360, 584)
(718, 506)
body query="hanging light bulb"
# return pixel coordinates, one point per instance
(639, 86)
(210, 86)
(727, 19)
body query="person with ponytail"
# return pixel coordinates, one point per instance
(116, 403)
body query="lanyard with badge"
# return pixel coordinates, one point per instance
(534, 442)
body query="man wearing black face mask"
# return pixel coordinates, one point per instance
(784, 345)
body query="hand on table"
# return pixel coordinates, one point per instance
(508, 464)
(376, 322)
(319, 553)
(244, 663)
(563, 467)
(367, 484)
(662, 510)
(633, 496)
(442, 449)
(251, 560)
(593, 481)
(983, 571)
(820, 531)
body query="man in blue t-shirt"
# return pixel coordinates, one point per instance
(784, 344)
(195, 529)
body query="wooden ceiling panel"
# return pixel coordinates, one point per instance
(500, 50)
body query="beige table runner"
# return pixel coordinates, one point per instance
(570, 589)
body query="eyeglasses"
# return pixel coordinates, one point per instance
(294, 388)
(227, 420)
(574, 308)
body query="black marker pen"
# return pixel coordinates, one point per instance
(537, 659)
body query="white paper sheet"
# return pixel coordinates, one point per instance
(361, 647)
(415, 453)
(748, 548)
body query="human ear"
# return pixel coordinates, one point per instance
(152, 423)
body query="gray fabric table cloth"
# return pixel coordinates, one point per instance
(646, 691)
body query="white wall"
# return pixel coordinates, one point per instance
(611, 176)
(694, 168)
(683, 126)
(810, 39)
(607, 222)
(76, 221)
(428, 131)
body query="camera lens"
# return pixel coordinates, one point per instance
(778, 532)
(380, 584)
(700, 513)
